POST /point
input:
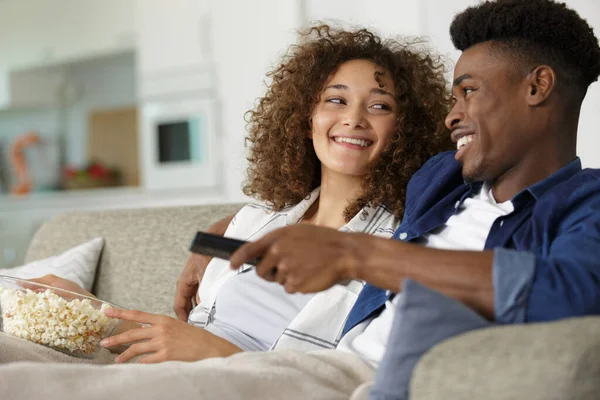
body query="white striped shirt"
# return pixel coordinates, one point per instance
(258, 315)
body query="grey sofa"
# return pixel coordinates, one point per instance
(146, 248)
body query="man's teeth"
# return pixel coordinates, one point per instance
(463, 141)
(359, 142)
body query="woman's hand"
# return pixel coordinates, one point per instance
(61, 283)
(163, 338)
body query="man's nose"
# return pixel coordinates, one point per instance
(454, 117)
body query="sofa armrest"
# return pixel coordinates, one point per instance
(556, 360)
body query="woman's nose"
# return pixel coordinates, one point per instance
(355, 118)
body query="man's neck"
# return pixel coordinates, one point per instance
(530, 171)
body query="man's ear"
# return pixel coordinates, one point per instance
(542, 81)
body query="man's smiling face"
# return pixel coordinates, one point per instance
(489, 119)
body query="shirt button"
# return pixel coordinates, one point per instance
(501, 223)
(457, 204)
(403, 236)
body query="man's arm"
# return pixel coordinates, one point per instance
(312, 259)
(191, 275)
(463, 275)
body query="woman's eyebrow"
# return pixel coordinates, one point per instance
(341, 86)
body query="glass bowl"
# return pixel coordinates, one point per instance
(60, 319)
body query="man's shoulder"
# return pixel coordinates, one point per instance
(441, 162)
(575, 198)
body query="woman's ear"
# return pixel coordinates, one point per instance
(310, 129)
(542, 81)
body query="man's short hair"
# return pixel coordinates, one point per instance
(534, 32)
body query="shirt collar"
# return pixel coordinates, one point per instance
(364, 219)
(538, 189)
(295, 213)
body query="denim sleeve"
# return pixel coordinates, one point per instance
(513, 273)
(561, 279)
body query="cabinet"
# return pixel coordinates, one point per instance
(44, 32)
(171, 36)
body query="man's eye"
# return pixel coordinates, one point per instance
(468, 90)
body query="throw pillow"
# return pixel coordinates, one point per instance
(77, 264)
(424, 317)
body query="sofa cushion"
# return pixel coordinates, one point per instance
(77, 264)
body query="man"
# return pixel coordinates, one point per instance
(506, 225)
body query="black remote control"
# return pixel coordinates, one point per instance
(217, 246)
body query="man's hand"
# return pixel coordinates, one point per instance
(163, 338)
(193, 271)
(303, 258)
(187, 284)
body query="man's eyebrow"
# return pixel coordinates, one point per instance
(340, 86)
(461, 78)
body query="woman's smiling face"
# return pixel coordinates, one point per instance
(355, 118)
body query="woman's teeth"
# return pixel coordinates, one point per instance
(359, 142)
(463, 141)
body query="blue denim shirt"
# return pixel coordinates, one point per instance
(546, 252)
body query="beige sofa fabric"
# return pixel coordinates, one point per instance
(547, 361)
(144, 252)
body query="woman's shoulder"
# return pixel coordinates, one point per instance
(254, 216)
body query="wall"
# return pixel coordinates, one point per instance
(247, 39)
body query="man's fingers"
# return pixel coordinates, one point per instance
(267, 268)
(136, 350)
(182, 308)
(250, 251)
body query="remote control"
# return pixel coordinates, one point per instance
(217, 246)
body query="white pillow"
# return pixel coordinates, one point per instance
(77, 264)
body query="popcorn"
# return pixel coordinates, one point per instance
(45, 318)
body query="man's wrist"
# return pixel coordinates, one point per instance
(355, 246)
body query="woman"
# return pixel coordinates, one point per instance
(345, 122)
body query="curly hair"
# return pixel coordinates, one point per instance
(534, 31)
(283, 167)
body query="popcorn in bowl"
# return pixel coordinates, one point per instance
(71, 323)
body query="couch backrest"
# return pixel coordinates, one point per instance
(144, 251)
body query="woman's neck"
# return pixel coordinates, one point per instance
(337, 192)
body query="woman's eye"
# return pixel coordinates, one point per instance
(335, 100)
(468, 90)
(381, 107)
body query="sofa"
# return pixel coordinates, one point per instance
(145, 250)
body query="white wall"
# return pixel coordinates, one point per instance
(247, 39)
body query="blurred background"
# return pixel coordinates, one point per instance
(140, 103)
